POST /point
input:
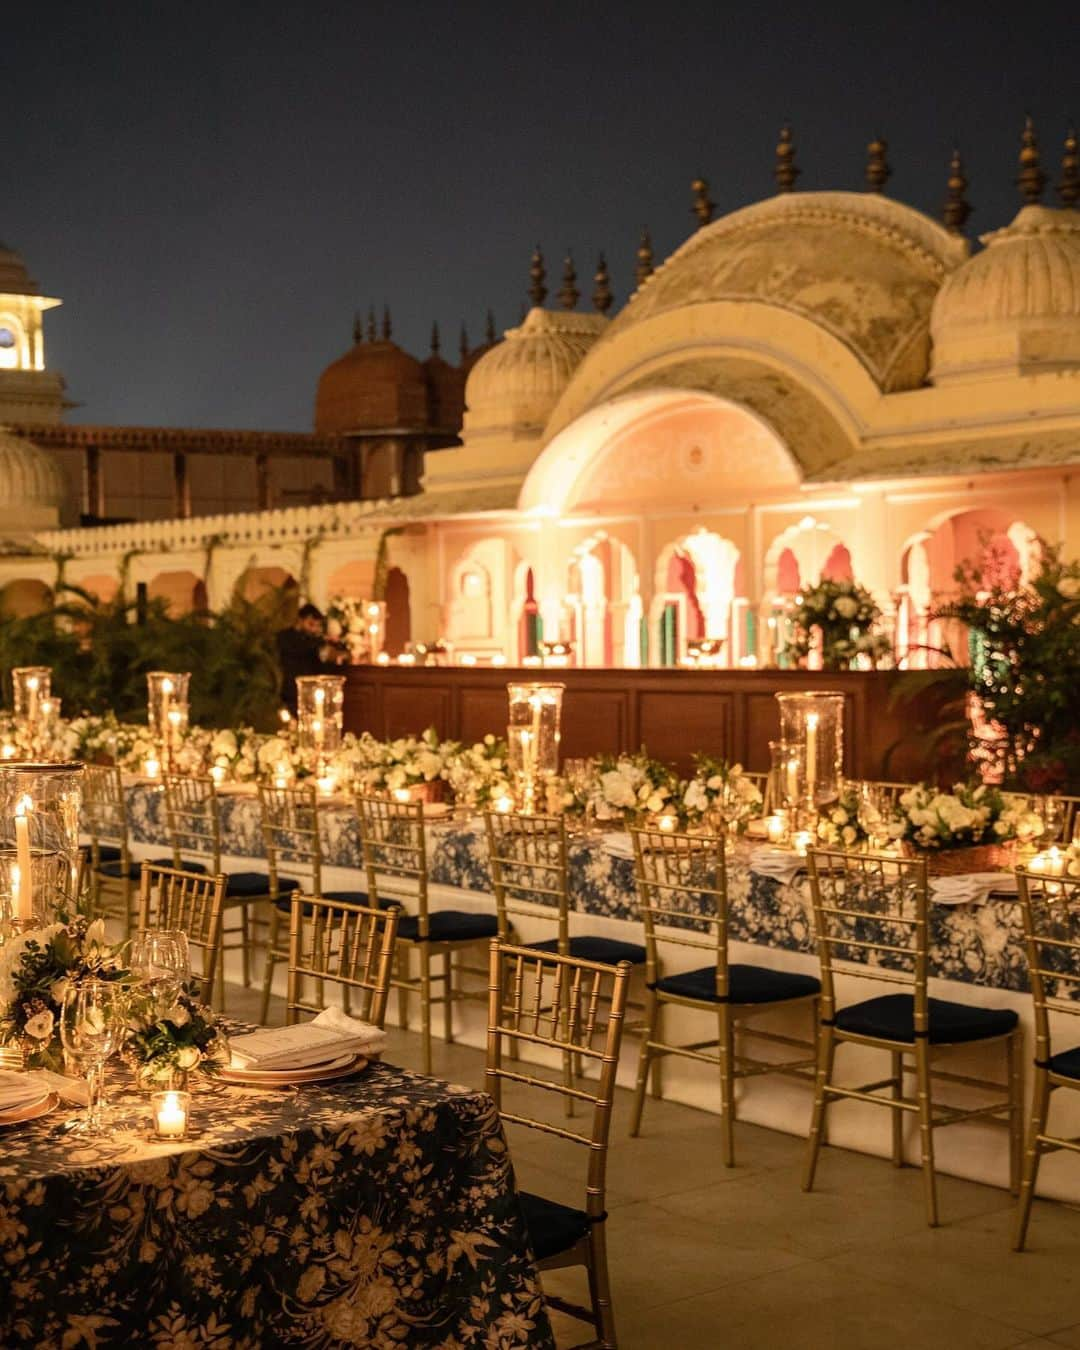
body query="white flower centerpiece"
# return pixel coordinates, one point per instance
(628, 788)
(846, 615)
(977, 824)
(720, 793)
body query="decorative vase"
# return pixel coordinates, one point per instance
(152, 1076)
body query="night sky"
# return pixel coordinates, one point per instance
(212, 189)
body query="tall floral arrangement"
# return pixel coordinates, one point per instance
(846, 615)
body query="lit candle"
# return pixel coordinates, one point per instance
(24, 904)
(666, 823)
(151, 768)
(499, 659)
(467, 659)
(284, 716)
(401, 795)
(406, 659)
(166, 698)
(383, 659)
(811, 753)
(217, 773)
(32, 685)
(792, 768)
(170, 1114)
(775, 828)
(7, 750)
(504, 805)
(327, 784)
(802, 841)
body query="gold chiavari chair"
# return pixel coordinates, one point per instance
(1051, 913)
(193, 817)
(190, 903)
(114, 874)
(870, 914)
(761, 780)
(682, 896)
(334, 942)
(292, 839)
(541, 1001)
(1059, 811)
(395, 851)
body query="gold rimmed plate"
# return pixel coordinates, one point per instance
(31, 1111)
(286, 1078)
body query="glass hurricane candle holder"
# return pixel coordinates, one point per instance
(50, 886)
(814, 721)
(786, 774)
(167, 710)
(30, 685)
(39, 829)
(320, 701)
(536, 708)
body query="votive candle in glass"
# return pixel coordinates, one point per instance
(170, 1110)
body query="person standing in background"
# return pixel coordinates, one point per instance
(303, 650)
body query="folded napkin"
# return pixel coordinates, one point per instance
(971, 888)
(306, 1044)
(20, 1089)
(779, 863)
(619, 845)
(72, 1090)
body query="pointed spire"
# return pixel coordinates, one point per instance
(489, 329)
(436, 342)
(463, 344)
(957, 208)
(1068, 188)
(537, 277)
(602, 296)
(786, 170)
(1030, 180)
(643, 267)
(568, 291)
(371, 334)
(878, 171)
(387, 328)
(357, 327)
(703, 207)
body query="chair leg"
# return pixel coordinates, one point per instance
(648, 1033)
(1013, 1050)
(268, 971)
(897, 1115)
(448, 997)
(600, 1288)
(727, 1086)
(425, 1002)
(822, 1078)
(1040, 1108)
(403, 991)
(245, 946)
(926, 1128)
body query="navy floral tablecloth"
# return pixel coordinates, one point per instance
(376, 1211)
(973, 944)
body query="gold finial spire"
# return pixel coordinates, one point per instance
(463, 344)
(371, 323)
(643, 268)
(878, 171)
(537, 278)
(957, 208)
(1030, 180)
(387, 327)
(435, 340)
(568, 291)
(703, 207)
(489, 329)
(602, 296)
(357, 327)
(1068, 188)
(786, 170)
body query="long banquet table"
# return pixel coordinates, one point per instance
(977, 956)
(376, 1210)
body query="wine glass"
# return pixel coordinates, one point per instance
(92, 1025)
(161, 963)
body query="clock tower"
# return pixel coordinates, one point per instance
(28, 392)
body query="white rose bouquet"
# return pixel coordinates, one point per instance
(479, 774)
(846, 613)
(721, 790)
(972, 814)
(851, 821)
(164, 1043)
(627, 787)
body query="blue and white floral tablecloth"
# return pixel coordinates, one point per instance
(972, 944)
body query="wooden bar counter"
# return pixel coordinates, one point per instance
(674, 713)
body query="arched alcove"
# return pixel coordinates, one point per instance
(25, 597)
(271, 588)
(178, 590)
(354, 579)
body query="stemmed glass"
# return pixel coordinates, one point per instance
(161, 964)
(92, 1026)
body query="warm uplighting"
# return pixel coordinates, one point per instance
(401, 795)
(406, 659)
(383, 659)
(776, 827)
(498, 659)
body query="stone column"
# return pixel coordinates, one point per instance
(93, 483)
(181, 486)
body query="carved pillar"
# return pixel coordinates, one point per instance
(344, 488)
(181, 486)
(262, 481)
(93, 483)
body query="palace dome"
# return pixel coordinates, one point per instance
(374, 387)
(29, 476)
(857, 264)
(14, 278)
(1015, 306)
(518, 382)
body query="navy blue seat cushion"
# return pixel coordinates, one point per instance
(186, 865)
(110, 852)
(349, 897)
(892, 1018)
(1067, 1063)
(134, 872)
(449, 925)
(553, 1228)
(590, 948)
(254, 884)
(746, 984)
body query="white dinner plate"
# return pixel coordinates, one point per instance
(30, 1110)
(322, 1073)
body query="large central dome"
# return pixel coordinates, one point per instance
(857, 264)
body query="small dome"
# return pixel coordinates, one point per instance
(374, 387)
(14, 278)
(29, 476)
(1014, 307)
(518, 382)
(446, 393)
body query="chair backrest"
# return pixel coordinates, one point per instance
(103, 812)
(188, 902)
(1050, 907)
(395, 850)
(193, 818)
(548, 1002)
(290, 828)
(527, 857)
(889, 791)
(682, 890)
(334, 942)
(870, 911)
(762, 780)
(1065, 811)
